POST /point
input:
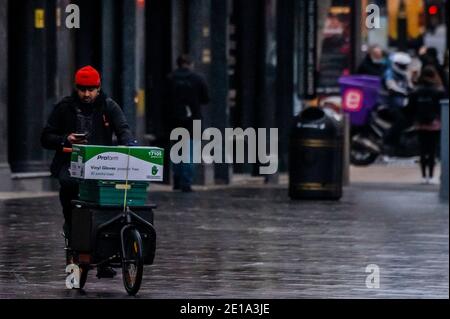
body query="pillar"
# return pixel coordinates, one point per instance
(110, 48)
(159, 35)
(207, 44)
(27, 90)
(65, 50)
(285, 77)
(5, 171)
(140, 72)
(88, 36)
(444, 150)
(128, 61)
(268, 63)
(218, 80)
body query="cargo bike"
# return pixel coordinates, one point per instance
(112, 226)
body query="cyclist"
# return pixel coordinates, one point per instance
(88, 116)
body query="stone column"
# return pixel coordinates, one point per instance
(444, 150)
(28, 91)
(5, 172)
(285, 78)
(128, 59)
(219, 86)
(140, 72)
(207, 44)
(248, 51)
(109, 51)
(268, 65)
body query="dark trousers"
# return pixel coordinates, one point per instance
(183, 173)
(398, 125)
(428, 141)
(68, 191)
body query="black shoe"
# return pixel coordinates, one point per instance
(187, 189)
(105, 272)
(176, 184)
(65, 231)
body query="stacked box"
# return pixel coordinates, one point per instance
(113, 192)
(118, 163)
(106, 173)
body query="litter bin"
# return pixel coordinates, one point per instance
(360, 94)
(316, 155)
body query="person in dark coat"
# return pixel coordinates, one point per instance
(430, 57)
(425, 111)
(186, 92)
(88, 116)
(374, 63)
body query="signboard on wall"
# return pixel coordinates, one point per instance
(336, 57)
(406, 23)
(310, 59)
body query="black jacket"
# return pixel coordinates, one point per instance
(107, 118)
(424, 104)
(184, 88)
(367, 67)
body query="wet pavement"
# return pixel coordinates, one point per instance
(251, 242)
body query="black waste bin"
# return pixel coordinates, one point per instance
(316, 155)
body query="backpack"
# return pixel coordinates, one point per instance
(182, 97)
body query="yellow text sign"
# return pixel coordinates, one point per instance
(39, 18)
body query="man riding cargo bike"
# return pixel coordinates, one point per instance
(89, 118)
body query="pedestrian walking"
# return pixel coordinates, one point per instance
(424, 109)
(186, 92)
(374, 63)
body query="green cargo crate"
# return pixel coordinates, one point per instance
(113, 192)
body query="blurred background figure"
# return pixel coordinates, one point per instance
(415, 68)
(374, 63)
(186, 92)
(425, 110)
(429, 56)
(396, 86)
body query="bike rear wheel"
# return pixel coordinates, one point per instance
(360, 154)
(362, 157)
(132, 261)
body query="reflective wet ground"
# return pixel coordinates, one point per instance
(251, 242)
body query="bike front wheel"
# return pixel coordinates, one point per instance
(132, 261)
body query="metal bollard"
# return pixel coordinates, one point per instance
(346, 152)
(444, 150)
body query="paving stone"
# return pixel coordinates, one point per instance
(251, 242)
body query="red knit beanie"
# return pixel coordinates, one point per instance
(87, 76)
